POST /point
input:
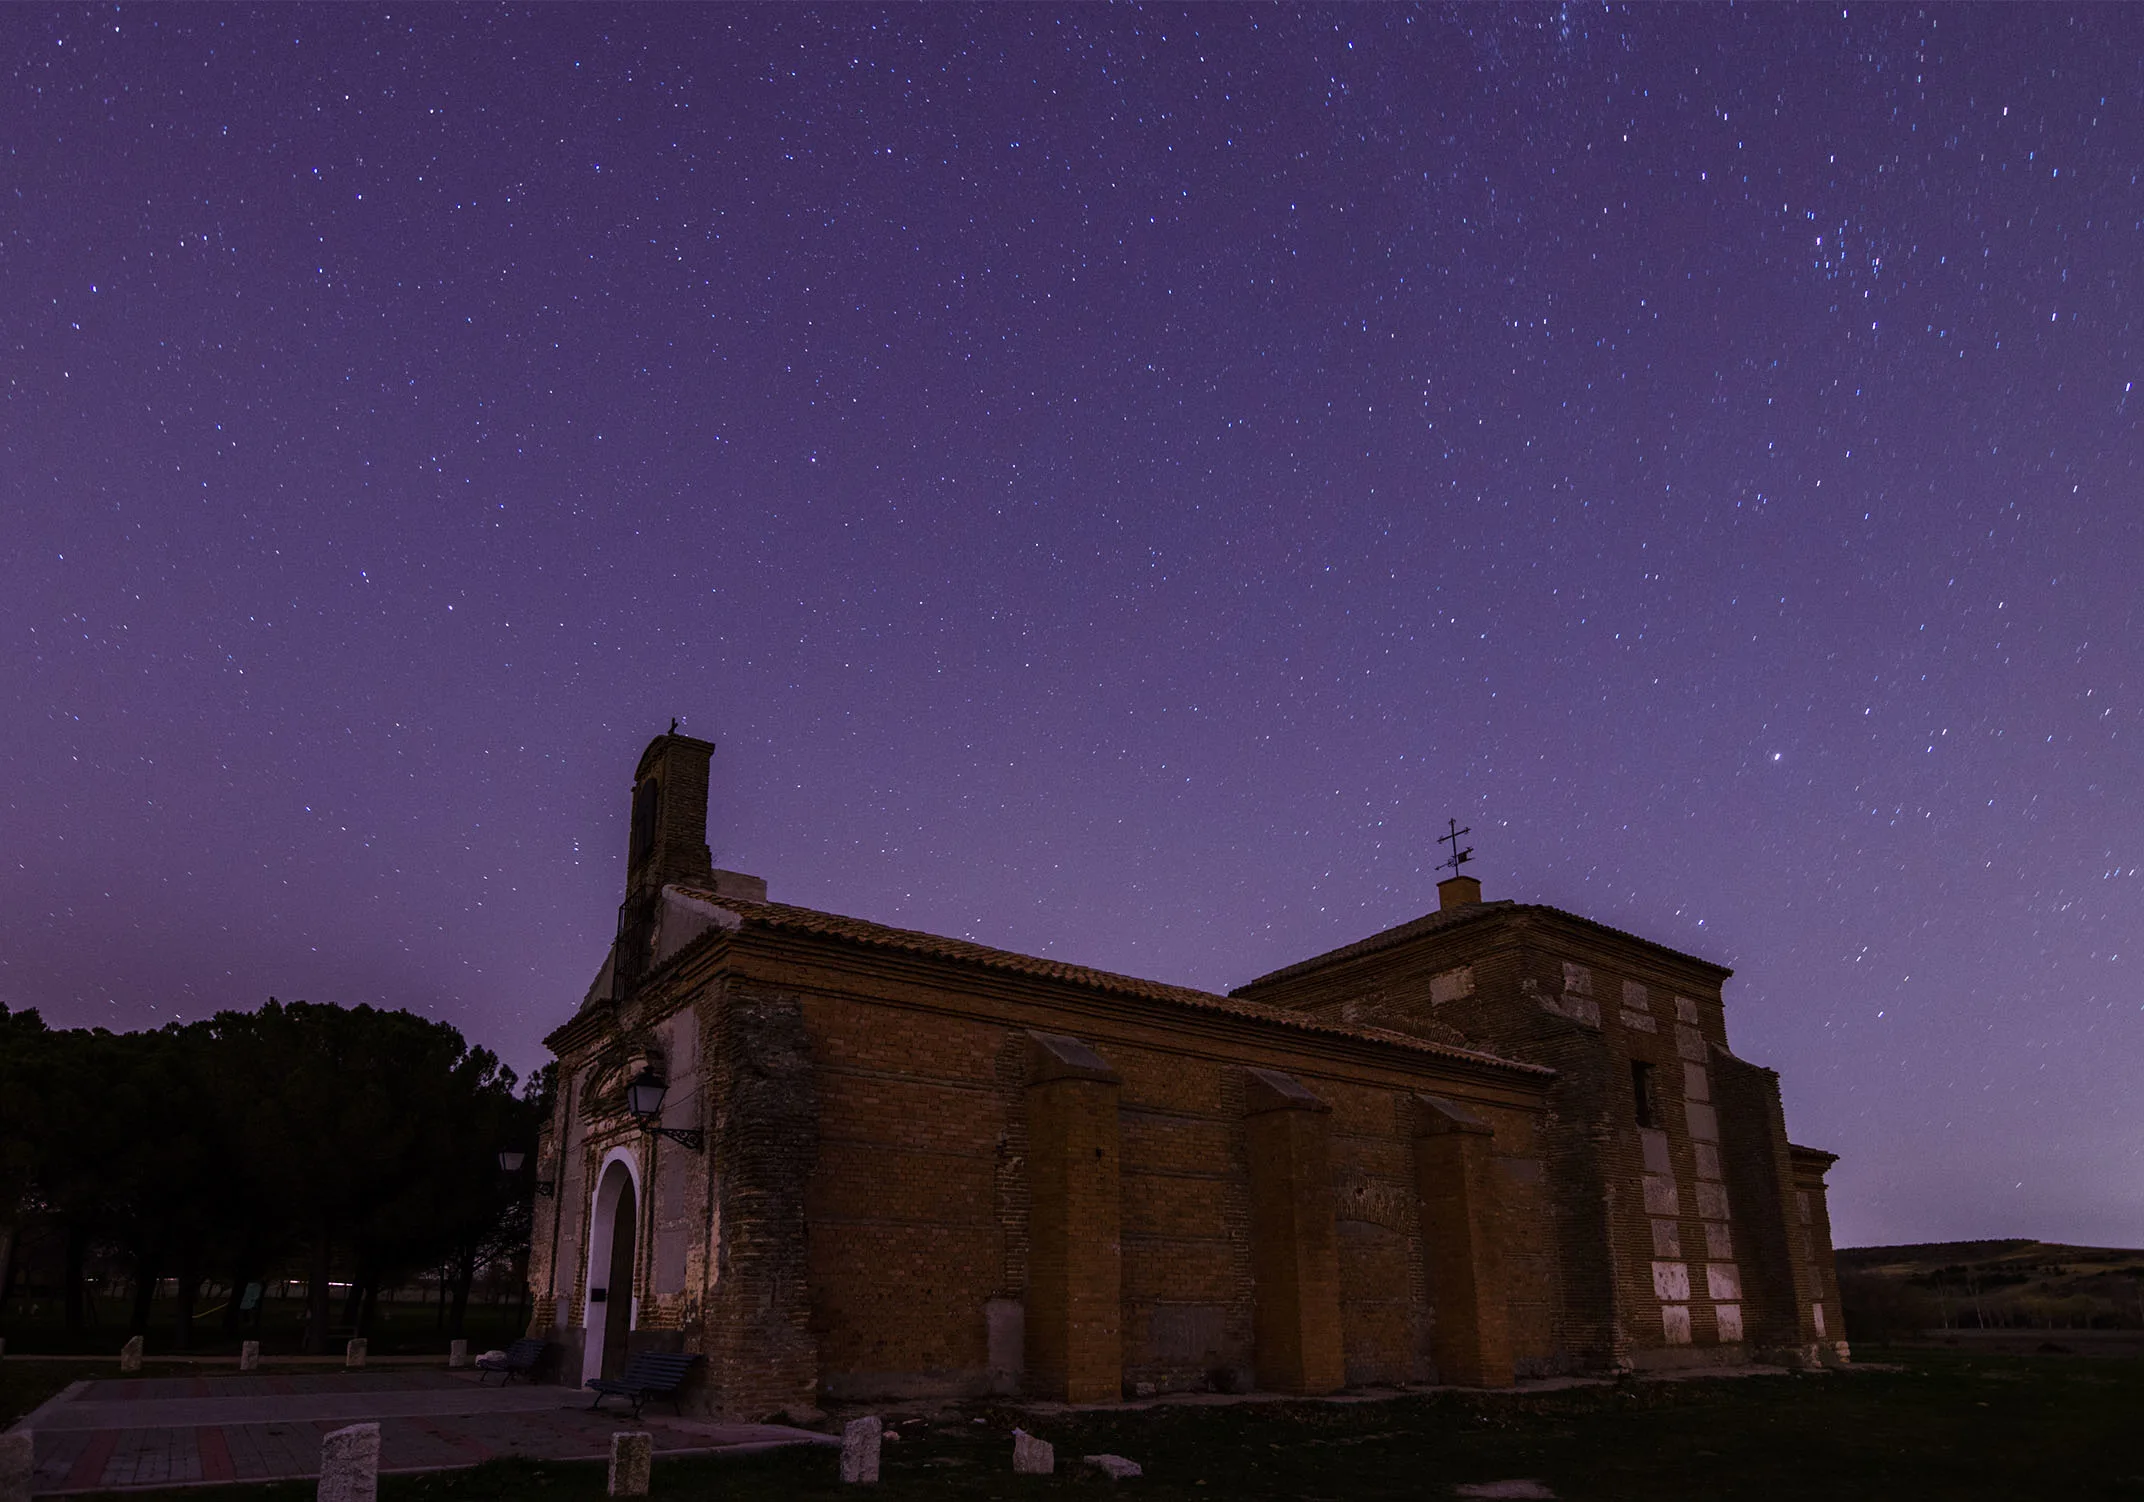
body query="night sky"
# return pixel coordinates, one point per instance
(1113, 482)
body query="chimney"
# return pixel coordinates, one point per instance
(1457, 891)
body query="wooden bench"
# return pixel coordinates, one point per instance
(651, 1374)
(517, 1360)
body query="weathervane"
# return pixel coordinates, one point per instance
(1459, 857)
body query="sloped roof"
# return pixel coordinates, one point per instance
(1429, 923)
(1452, 917)
(782, 916)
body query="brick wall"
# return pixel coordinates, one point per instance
(1812, 1209)
(1295, 1262)
(953, 1185)
(923, 1178)
(1074, 1308)
(1649, 1267)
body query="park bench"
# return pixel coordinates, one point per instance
(517, 1360)
(651, 1374)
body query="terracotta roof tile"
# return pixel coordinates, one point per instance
(1449, 918)
(1429, 923)
(781, 915)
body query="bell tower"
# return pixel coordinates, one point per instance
(668, 843)
(669, 829)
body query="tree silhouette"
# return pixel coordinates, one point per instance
(352, 1137)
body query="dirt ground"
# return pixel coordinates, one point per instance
(1937, 1423)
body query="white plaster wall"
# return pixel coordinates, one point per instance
(572, 1196)
(680, 1171)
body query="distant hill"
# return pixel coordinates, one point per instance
(2016, 1283)
(2012, 1252)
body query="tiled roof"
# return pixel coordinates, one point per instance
(780, 915)
(1451, 917)
(1429, 923)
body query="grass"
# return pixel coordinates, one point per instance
(25, 1384)
(1948, 1425)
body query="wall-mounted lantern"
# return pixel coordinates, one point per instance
(511, 1161)
(644, 1098)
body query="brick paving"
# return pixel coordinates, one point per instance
(165, 1431)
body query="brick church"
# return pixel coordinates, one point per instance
(845, 1161)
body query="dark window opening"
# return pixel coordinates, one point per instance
(1641, 1087)
(645, 799)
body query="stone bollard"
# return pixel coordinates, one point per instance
(632, 1456)
(350, 1464)
(1032, 1456)
(130, 1355)
(18, 1456)
(457, 1353)
(859, 1449)
(353, 1354)
(1115, 1467)
(249, 1356)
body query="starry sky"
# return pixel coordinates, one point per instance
(1112, 482)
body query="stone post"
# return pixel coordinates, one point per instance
(353, 1354)
(1032, 1456)
(1455, 1179)
(18, 1456)
(1075, 1308)
(632, 1457)
(1295, 1245)
(130, 1355)
(457, 1353)
(249, 1356)
(350, 1464)
(859, 1449)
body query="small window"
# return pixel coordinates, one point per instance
(1641, 1088)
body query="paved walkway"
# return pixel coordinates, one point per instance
(167, 1431)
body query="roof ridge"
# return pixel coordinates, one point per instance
(1384, 938)
(919, 941)
(1442, 918)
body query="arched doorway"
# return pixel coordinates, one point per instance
(612, 1252)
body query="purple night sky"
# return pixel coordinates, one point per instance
(1112, 482)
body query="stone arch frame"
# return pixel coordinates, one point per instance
(603, 1210)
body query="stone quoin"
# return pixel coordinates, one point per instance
(1497, 1141)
